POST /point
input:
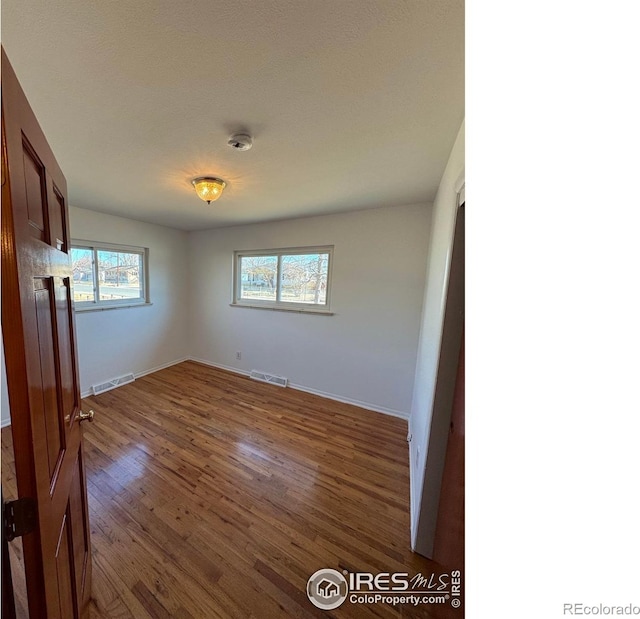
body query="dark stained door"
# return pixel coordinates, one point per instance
(39, 339)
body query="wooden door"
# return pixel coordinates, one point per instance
(39, 339)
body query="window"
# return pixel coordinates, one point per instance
(108, 276)
(292, 279)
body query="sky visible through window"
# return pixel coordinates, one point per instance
(303, 278)
(119, 275)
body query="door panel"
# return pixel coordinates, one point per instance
(34, 181)
(78, 513)
(48, 386)
(63, 557)
(64, 324)
(58, 222)
(41, 360)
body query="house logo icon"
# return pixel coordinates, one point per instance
(327, 589)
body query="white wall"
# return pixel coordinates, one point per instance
(366, 352)
(5, 416)
(138, 339)
(425, 494)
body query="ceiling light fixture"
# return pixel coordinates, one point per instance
(208, 188)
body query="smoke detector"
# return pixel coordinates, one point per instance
(240, 141)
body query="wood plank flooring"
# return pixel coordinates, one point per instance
(212, 495)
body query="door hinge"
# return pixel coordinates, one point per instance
(19, 517)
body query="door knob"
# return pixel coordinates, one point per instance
(84, 416)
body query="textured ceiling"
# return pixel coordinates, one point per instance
(352, 104)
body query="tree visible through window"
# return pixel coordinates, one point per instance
(287, 279)
(104, 275)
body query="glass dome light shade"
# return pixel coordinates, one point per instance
(208, 188)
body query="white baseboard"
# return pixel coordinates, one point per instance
(88, 392)
(160, 367)
(219, 365)
(5, 422)
(338, 398)
(322, 394)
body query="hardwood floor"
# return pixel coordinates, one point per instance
(10, 492)
(212, 495)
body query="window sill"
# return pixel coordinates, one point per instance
(296, 310)
(102, 308)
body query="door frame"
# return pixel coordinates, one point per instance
(451, 333)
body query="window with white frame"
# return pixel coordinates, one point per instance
(295, 279)
(108, 276)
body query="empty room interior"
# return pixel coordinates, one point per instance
(232, 308)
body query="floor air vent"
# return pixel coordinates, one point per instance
(112, 384)
(281, 381)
